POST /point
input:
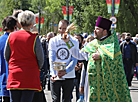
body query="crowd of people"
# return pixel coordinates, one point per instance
(100, 67)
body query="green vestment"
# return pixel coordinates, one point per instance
(107, 80)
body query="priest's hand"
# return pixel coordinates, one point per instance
(81, 89)
(61, 73)
(65, 37)
(96, 55)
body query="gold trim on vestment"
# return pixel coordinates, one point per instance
(117, 54)
(103, 48)
(98, 85)
(112, 80)
(107, 52)
(104, 82)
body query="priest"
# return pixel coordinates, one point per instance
(105, 77)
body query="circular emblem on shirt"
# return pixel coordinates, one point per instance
(62, 53)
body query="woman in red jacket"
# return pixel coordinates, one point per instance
(23, 52)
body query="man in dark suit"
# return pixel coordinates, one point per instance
(129, 55)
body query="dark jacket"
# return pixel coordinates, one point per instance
(133, 51)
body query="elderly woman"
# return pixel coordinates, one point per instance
(9, 25)
(23, 52)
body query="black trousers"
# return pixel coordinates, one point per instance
(128, 66)
(39, 97)
(66, 86)
(4, 99)
(21, 95)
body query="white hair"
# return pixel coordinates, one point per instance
(26, 18)
(50, 34)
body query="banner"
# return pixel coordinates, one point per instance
(117, 2)
(0, 31)
(70, 12)
(37, 22)
(64, 9)
(109, 5)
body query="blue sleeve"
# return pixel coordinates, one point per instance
(71, 65)
(52, 57)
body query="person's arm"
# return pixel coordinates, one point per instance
(120, 47)
(71, 65)
(7, 51)
(52, 57)
(83, 73)
(39, 53)
(82, 80)
(78, 54)
(136, 57)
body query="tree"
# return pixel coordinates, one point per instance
(127, 17)
(85, 13)
(51, 10)
(7, 7)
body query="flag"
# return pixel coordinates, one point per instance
(70, 12)
(42, 21)
(37, 22)
(0, 31)
(109, 5)
(64, 9)
(117, 2)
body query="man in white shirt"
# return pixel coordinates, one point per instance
(59, 52)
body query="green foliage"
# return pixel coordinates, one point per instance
(127, 17)
(7, 7)
(85, 13)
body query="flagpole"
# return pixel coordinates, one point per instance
(39, 17)
(113, 8)
(67, 10)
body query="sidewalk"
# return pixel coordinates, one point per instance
(133, 92)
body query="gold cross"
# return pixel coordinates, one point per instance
(93, 70)
(93, 77)
(103, 97)
(93, 97)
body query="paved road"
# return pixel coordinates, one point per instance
(133, 92)
(48, 95)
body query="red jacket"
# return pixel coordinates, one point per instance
(23, 68)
